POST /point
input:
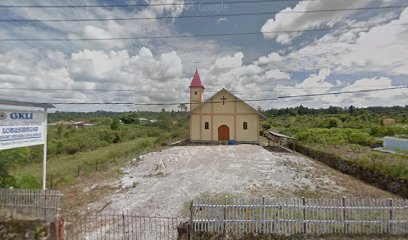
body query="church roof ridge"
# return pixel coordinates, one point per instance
(237, 99)
(196, 82)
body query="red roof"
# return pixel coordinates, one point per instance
(196, 82)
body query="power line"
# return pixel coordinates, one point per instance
(201, 16)
(153, 4)
(185, 36)
(165, 91)
(245, 100)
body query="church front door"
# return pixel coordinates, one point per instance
(223, 133)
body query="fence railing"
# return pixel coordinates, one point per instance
(120, 225)
(29, 204)
(302, 216)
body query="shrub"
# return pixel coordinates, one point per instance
(361, 138)
(266, 125)
(115, 124)
(28, 181)
(328, 123)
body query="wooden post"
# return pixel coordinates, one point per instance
(60, 230)
(304, 214)
(45, 150)
(345, 225)
(390, 230)
(52, 228)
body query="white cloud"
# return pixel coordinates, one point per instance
(298, 21)
(315, 83)
(380, 48)
(270, 58)
(92, 69)
(276, 74)
(229, 61)
(364, 99)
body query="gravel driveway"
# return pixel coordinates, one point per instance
(161, 183)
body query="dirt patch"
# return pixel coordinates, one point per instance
(162, 182)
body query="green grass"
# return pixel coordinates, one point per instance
(64, 169)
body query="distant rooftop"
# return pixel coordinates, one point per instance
(280, 135)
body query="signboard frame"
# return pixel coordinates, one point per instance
(16, 107)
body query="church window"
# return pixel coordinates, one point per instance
(206, 125)
(195, 93)
(245, 126)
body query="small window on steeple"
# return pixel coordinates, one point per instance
(195, 93)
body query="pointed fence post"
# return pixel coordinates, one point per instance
(345, 225)
(264, 215)
(390, 230)
(225, 215)
(191, 225)
(304, 214)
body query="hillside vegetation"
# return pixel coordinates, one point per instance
(349, 133)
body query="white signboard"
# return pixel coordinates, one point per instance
(21, 128)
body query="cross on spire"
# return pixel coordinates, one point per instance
(196, 63)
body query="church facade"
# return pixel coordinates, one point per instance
(222, 117)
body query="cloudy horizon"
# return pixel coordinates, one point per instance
(358, 50)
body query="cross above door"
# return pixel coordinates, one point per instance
(223, 100)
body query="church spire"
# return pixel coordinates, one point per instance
(196, 82)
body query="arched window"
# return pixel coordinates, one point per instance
(206, 125)
(245, 126)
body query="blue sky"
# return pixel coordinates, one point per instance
(160, 70)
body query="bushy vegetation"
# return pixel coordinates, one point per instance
(350, 133)
(69, 145)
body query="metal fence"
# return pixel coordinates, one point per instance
(121, 225)
(302, 216)
(29, 204)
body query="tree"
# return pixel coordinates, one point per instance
(164, 120)
(183, 107)
(130, 118)
(115, 124)
(7, 159)
(266, 125)
(351, 109)
(60, 130)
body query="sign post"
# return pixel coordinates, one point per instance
(24, 124)
(45, 151)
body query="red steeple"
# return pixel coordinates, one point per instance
(196, 82)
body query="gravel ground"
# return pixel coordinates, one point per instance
(160, 183)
